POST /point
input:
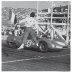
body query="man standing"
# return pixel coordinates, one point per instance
(30, 24)
(17, 30)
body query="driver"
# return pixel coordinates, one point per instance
(30, 24)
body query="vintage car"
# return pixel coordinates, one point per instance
(45, 44)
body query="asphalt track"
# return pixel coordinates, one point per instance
(33, 60)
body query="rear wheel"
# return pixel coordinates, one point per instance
(43, 47)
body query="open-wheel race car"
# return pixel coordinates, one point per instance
(44, 45)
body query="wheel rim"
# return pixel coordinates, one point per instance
(10, 44)
(42, 47)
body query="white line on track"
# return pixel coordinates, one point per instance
(35, 58)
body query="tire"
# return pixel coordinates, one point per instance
(43, 47)
(11, 44)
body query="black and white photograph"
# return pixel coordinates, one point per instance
(36, 35)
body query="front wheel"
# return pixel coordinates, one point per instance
(43, 47)
(11, 44)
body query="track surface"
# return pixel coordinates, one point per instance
(33, 60)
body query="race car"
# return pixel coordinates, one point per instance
(44, 45)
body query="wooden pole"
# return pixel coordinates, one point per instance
(37, 16)
(52, 34)
(67, 32)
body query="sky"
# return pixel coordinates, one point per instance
(33, 4)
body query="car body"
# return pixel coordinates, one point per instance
(45, 44)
